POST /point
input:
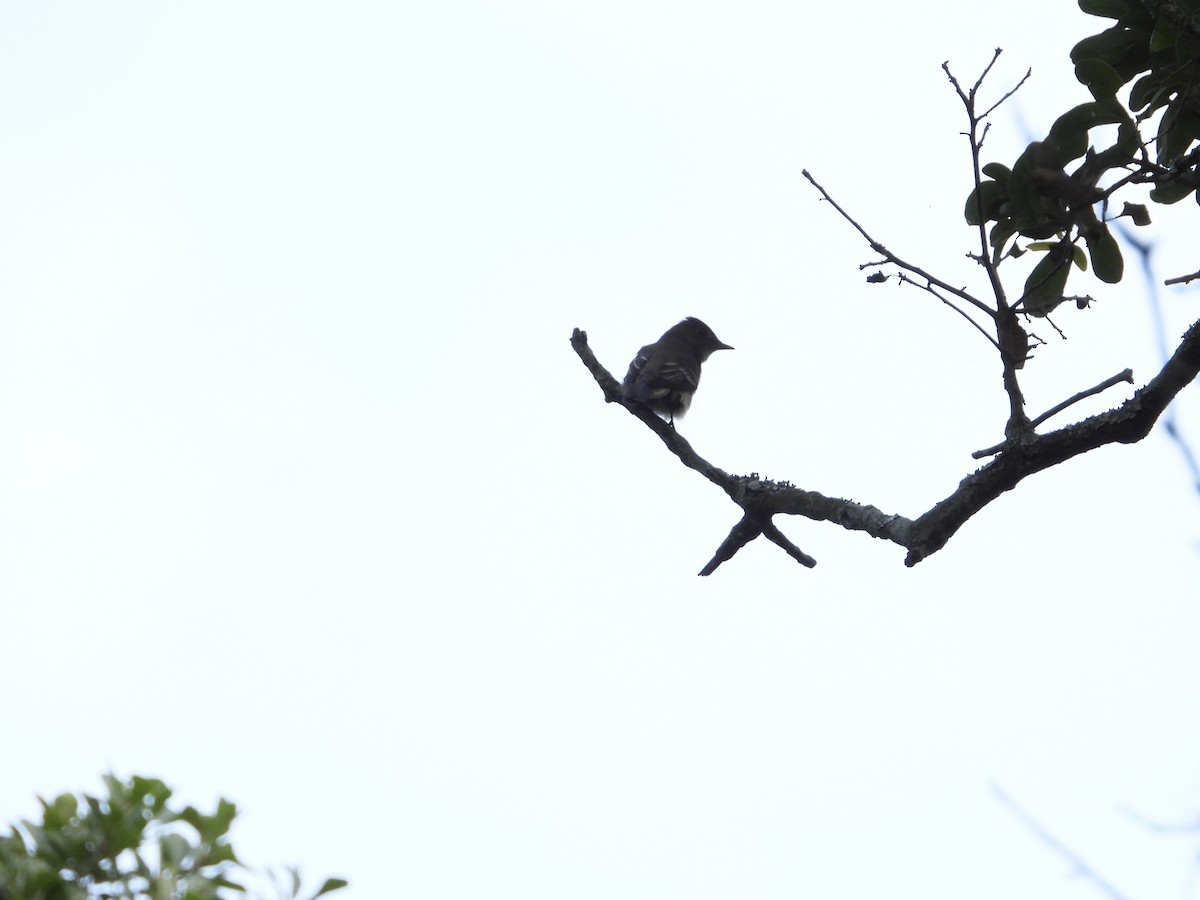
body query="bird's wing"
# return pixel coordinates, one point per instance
(638, 363)
(679, 375)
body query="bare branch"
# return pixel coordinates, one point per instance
(775, 536)
(893, 258)
(746, 530)
(984, 74)
(1183, 279)
(1017, 87)
(761, 499)
(930, 288)
(1126, 376)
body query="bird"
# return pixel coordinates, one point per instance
(665, 374)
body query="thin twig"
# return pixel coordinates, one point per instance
(1183, 279)
(984, 74)
(962, 312)
(893, 258)
(1126, 376)
(775, 536)
(991, 109)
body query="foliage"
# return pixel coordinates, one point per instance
(131, 844)
(1143, 73)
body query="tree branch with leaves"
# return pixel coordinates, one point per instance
(1057, 199)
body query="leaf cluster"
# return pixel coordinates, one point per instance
(1143, 73)
(130, 844)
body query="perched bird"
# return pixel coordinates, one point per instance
(664, 375)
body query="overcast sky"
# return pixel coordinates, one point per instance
(306, 501)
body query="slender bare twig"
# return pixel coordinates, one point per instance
(1183, 279)
(1126, 376)
(992, 108)
(930, 288)
(775, 536)
(896, 260)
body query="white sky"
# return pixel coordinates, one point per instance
(305, 501)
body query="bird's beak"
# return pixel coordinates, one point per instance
(724, 347)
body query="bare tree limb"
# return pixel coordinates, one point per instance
(761, 499)
(775, 536)
(746, 530)
(958, 309)
(1183, 279)
(1126, 376)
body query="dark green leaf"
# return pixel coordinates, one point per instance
(1046, 283)
(1107, 263)
(224, 816)
(987, 199)
(1069, 133)
(1035, 212)
(1101, 78)
(331, 884)
(1171, 193)
(997, 171)
(1164, 36)
(1125, 49)
(1149, 92)
(1174, 136)
(1001, 232)
(1187, 48)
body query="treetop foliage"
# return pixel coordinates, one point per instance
(130, 844)
(1153, 49)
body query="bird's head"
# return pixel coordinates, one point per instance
(698, 336)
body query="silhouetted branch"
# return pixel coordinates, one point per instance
(761, 499)
(962, 312)
(1183, 279)
(893, 258)
(746, 530)
(1126, 376)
